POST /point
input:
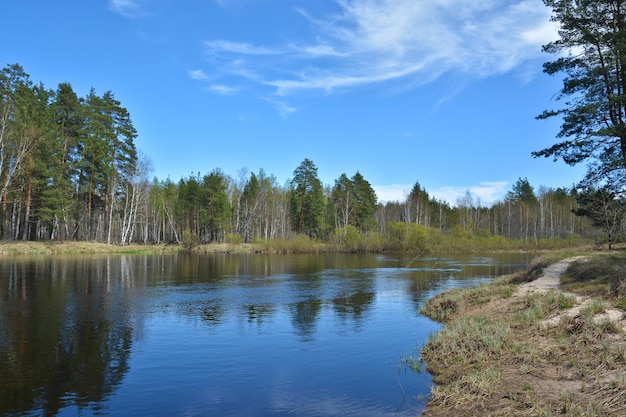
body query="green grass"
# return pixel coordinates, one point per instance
(467, 337)
(444, 306)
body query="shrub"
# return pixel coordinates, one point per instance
(188, 239)
(233, 238)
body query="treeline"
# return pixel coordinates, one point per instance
(255, 208)
(69, 170)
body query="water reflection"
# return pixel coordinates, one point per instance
(56, 345)
(78, 333)
(304, 316)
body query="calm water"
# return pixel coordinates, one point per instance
(221, 335)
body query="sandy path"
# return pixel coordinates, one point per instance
(550, 280)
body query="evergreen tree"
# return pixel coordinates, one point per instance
(216, 201)
(524, 192)
(34, 126)
(248, 207)
(605, 209)
(60, 204)
(591, 58)
(307, 200)
(365, 207)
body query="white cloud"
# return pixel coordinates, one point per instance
(321, 50)
(128, 8)
(242, 48)
(222, 89)
(485, 193)
(283, 108)
(198, 75)
(376, 41)
(392, 192)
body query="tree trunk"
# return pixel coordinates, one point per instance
(29, 199)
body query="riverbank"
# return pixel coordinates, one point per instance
(549, 341)
(298, 245)
(72, 247)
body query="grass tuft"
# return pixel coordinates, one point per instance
(496, 356)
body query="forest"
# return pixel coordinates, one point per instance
(70, 170)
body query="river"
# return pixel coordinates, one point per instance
(222, 335)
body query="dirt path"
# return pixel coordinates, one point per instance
(565, 362)
(550, 280)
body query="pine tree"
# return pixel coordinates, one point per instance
(591, 57)
(307, 200)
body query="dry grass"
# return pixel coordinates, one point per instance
(72, 247)
(502, 353)
(602, 276)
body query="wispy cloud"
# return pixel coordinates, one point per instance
(282, 107)
(128, 8)
(241, 48)
(222, 89)
(376, 41)
(198, 75)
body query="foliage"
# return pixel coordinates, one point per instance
(592, 38)
(354, 202)
(189, 240)
(65, 162)
(69, 170)
(605, 209)
(307, 200)
(233, 239)
(523, 192)
(407, 236)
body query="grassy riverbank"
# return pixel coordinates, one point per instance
(299, 244)
(72, 247)
(511, 348)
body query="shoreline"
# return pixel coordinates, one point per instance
(10, 247)
(521, 345)
(76, 247)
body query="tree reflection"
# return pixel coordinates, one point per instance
(213, 312)
(304, 317)
(353, 305)
(55, 352)
(259, 312)
(67, 324)
(356, 296)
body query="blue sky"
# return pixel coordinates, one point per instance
(444, 92)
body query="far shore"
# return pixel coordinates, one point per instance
(69, 247)
(74, 247)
